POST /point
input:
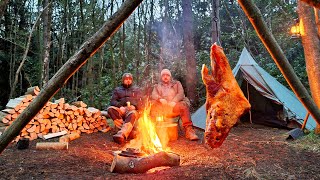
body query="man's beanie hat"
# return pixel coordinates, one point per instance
(127, 75)
(165, 71)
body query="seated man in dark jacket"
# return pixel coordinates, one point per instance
(124, 106)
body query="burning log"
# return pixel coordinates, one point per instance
(128, 162)
(225, 101)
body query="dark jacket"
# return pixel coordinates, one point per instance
(121, 95)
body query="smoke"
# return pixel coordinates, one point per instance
(170, 38)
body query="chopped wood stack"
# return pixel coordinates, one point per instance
(54, 117)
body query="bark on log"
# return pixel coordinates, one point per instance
(256, 19)
(52, 145)
(124, 164)
(74, 63)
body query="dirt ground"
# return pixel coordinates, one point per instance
(249, 152)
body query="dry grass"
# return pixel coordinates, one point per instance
(310, 142)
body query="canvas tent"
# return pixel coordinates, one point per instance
(272, 103)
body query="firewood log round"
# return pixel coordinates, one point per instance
(52, 145)
(124, 164)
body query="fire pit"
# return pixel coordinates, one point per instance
(135, 161)
(146, 151)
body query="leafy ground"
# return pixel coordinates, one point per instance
(249, 152)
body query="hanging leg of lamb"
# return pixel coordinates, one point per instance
(225, 101)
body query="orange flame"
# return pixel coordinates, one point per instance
(149, 139)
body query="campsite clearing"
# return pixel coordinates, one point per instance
(249, 152)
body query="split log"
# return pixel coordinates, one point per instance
(13, 103)
(3, 115)
(69, 137)
(79, 104)
(124, 164)
(33, 90)
(52, 135)
(104, 130)
(52, 145)
(10, 111)
(60, 101)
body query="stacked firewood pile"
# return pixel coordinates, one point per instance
(54, 117)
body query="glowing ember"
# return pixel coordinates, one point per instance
(148, 139)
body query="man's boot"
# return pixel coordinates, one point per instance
(124, 132)
(190, 134)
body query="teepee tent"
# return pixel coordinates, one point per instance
(272, 104)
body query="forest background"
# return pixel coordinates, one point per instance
(41, 36)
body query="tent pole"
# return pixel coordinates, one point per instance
(249, 102)
(305, 121)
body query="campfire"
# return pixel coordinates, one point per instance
(148, 150)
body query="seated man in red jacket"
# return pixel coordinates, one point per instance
(169, 101)
(123, 110)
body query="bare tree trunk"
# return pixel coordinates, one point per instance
(278, 56)
(138, 58)
(311, 46)
(241, 31)
(111, 49)
(215, 22)
(13, 87)
(46, 42)
(123, 58)
(191, 80)
(87, 49)
(3, 6)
